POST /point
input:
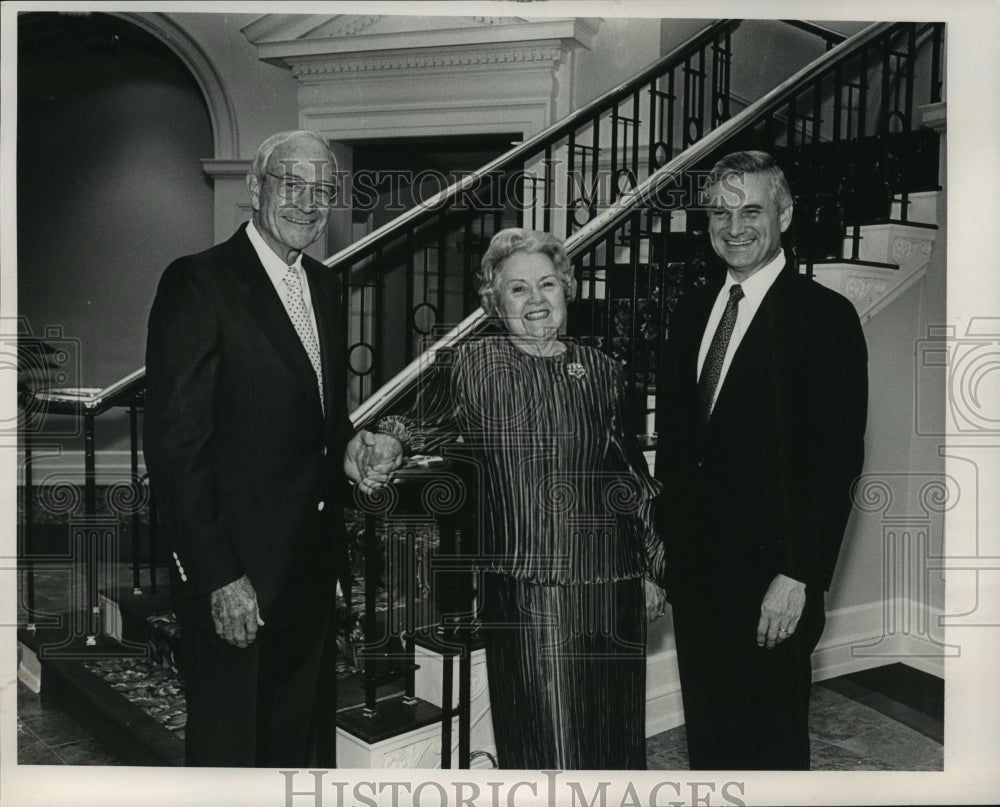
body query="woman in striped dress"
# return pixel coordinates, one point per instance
(568, 552)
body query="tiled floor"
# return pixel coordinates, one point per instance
(847, 735)
(47, 736)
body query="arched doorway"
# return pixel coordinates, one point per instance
(112, 126)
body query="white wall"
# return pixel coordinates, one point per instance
(263, 96)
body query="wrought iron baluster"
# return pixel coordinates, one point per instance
(547, 191)
(817, 111)
(612, 179)
(863, 93)
(378, 344)
(838, 90)
(570, 166)
(468, 295)
(411, 326)
(936, 75)
(28, 528)
(703, 88)
(686, 110)
(635, 140)
(442, 268)
(790, 128)
(594, 167)
(133, 432)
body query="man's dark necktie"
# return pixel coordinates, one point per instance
(712, 368)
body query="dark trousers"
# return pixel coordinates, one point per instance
(745, 707)
(271, 704)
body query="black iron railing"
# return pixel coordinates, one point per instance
(844, 128)
(558, 180)
(845, 131)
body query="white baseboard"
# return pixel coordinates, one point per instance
(29, 669)
(62, 467)
(664, 709)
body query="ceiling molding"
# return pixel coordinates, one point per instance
(287, 39)
(551, 54)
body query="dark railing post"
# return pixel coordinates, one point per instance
(90, 508)
(408, 573)
(371, 583)
(154, 542)
(28, 527)
(936, 74)
(137, 496)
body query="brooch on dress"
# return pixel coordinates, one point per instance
(575, 370)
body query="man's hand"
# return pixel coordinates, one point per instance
(656, 600)
(370, 459)
(780, 611)
(234, 612)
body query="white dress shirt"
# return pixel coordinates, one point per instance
(276, 270)
(754, 289)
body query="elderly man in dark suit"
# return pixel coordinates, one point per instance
(249, 450)
(761, 420)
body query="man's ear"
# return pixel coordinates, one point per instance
(785, 217)
(253, 188)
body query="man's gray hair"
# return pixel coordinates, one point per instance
(266, 149)
(755, 162)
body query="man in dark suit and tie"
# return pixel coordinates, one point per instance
(761, 418)
(249, 449)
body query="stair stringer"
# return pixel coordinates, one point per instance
(871, 288)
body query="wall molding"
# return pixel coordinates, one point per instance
(552, 55)
(220, 106)
(379, 77)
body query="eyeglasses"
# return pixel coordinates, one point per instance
(291, 187)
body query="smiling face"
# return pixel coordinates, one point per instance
(289, 218)
(530, 297)
(745, 224)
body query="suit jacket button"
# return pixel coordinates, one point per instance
(321, 505)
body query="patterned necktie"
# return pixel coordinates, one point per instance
(712, 369)
(303, 324)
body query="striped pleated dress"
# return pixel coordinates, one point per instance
(565, 512)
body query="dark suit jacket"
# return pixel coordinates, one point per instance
(765, 487)
(245, 467)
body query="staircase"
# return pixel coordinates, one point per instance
(615, 178)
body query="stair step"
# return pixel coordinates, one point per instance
(394, 716)
(70, 681)
(852, 262)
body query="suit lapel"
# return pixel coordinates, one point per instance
(270, 314)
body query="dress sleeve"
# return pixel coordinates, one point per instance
(431, 420)
(632, 461)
